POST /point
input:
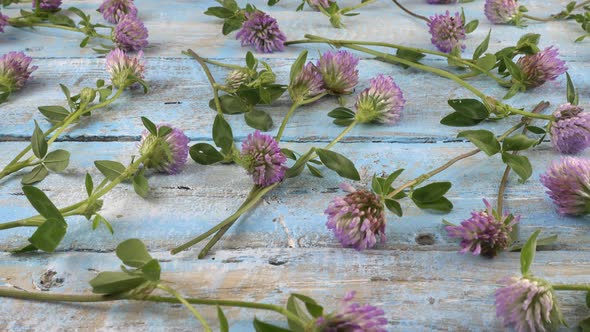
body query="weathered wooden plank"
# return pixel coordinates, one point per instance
(189, 27)
(185, 205)
(180, 94)
(411, 287)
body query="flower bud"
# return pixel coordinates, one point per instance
(236, 78)
(87, 95)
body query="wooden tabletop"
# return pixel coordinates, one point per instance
(282, 246)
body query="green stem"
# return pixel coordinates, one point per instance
(446, 165)
(426, 19)
(244, 208)
(292, 110)
(16, 23)
(360, 5)
(203, 63)
(566, 287)
(220, 64)
(285, 120)
(186, 304)
(225, 228)
(342, 134)
(52, 297)
(534, 18)
(504, 181)
(532, 115)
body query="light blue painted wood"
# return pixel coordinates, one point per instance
(421, 287)
(419, 291)
(214, 192)
(181, 80)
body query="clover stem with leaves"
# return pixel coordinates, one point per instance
(255, 196)
(412, 52)
(443, 73)
(81, 208)
(418, 180)
(140, 276)
(65, 118)
(39, 18)
(503, 182)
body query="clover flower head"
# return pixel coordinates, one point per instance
(262, 31)
(383, 101)
(114, 10)
(527, 304)
(541, 67)
(48, 4)
(130, 34)
(307, 84)
(236, 78)
(357, 219)
(486, 233)
(320, 3)
(447, 31)
(339, 71)
(568, 185)
(263, 159)
(15, 70)
(169, 153)
(501, 11)
(353, 317)
(124, 69)
(570, 132)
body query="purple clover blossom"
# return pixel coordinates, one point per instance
(307, 84)
(486, 233)
(15, 70)
(501, 11)
(262, 31)
(320, 3)
(357, 219)
(124, 69)
(541, 67)
(383, 101)
(130, 34)
(441, 2)
(3, 22)
(263, 159)
(570, 132)
(114, 10)
(170, 153)
(48, 4)
(527, 304)
(568, 185)
(447, 31)
(353, 317)
(339, 72)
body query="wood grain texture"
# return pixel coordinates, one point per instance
(416, 276)
(417, 290)
(202, 196)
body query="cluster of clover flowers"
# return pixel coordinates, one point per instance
(357, 219)
(165, 149)
(127, 34)
(448, 30)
